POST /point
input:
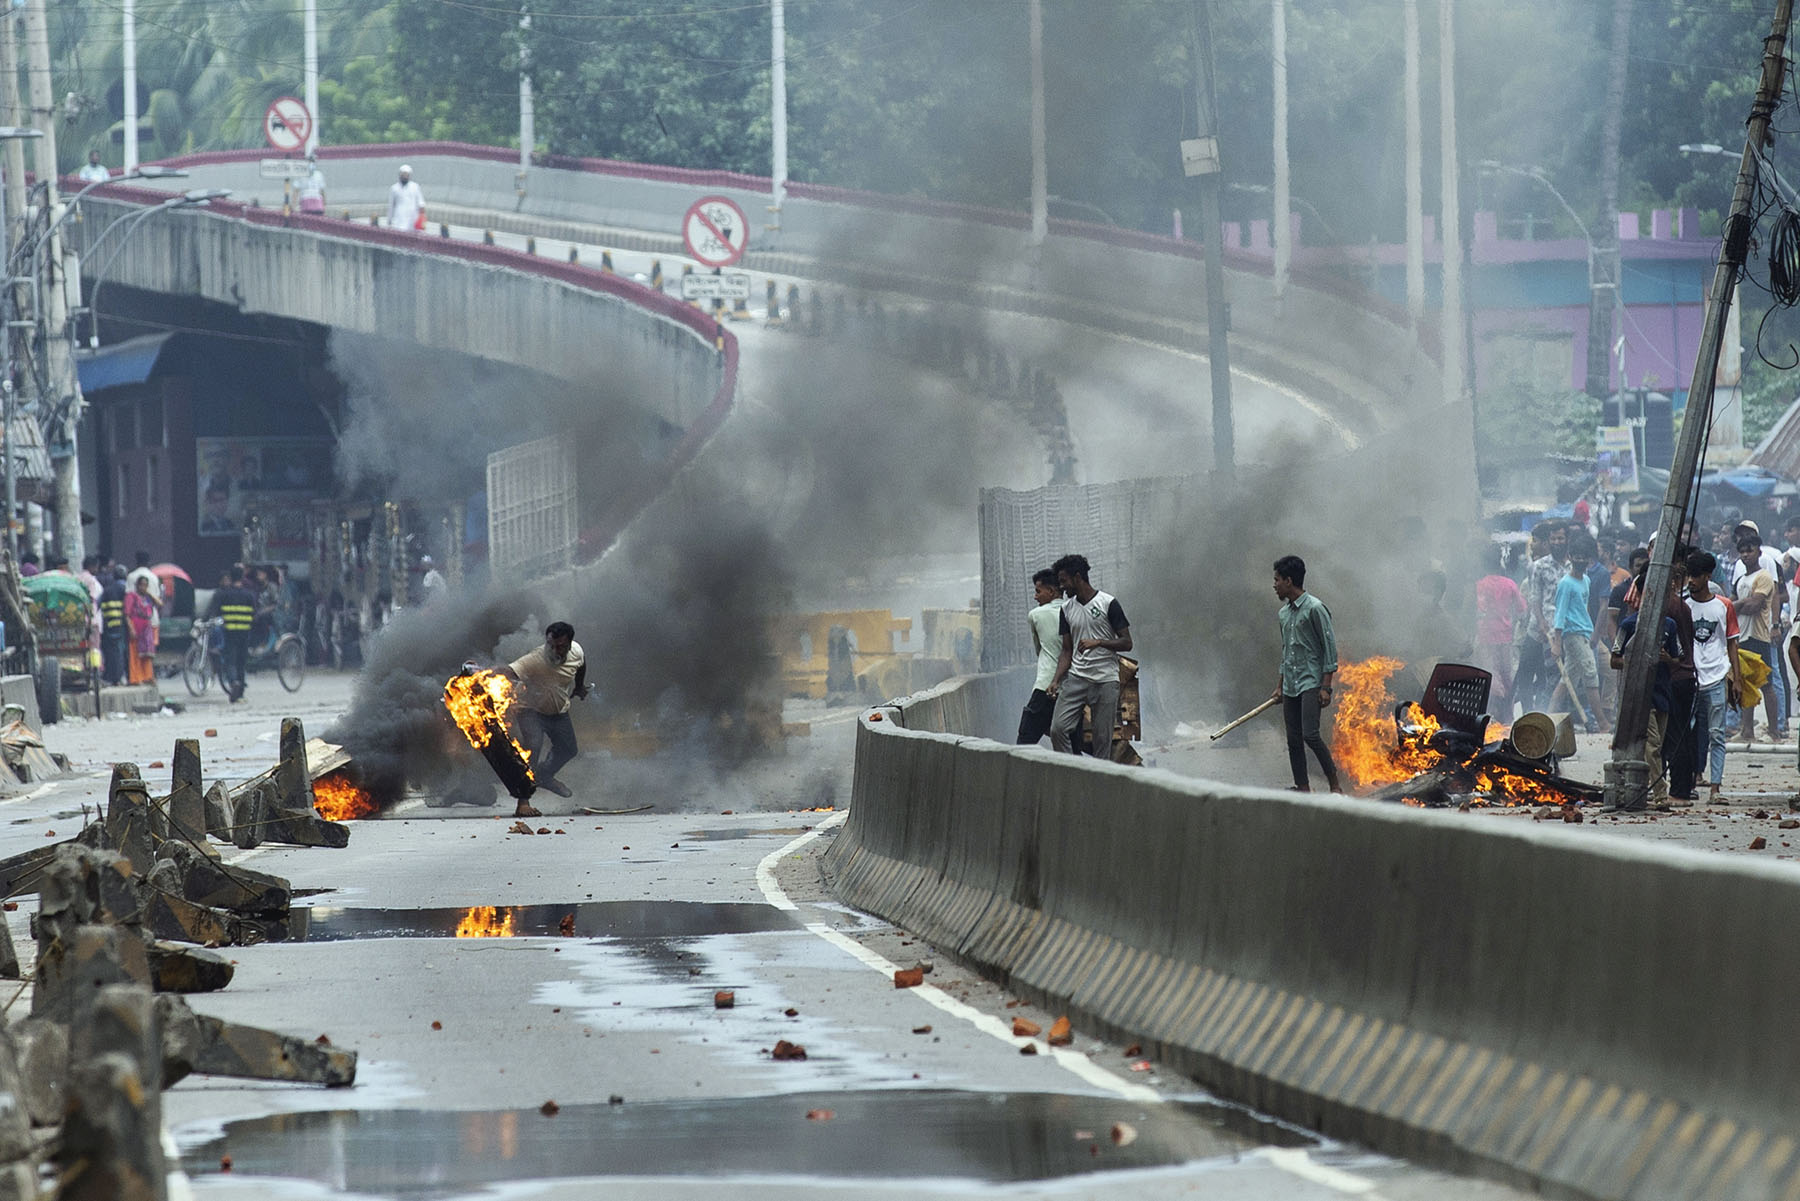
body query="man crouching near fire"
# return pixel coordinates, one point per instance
(548, 678)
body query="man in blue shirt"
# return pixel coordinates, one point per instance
(1572, 638)
(1308, 662)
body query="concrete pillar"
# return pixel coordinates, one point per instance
(186, 805)
(293, 782)
(111, 1148)
(128, 817)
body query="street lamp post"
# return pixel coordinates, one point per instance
(1781, 185)
(1598, 282)
(194, 199)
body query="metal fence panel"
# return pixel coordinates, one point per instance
(532, 520)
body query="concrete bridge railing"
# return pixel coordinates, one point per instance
(1567, 1011)
(1327, 336)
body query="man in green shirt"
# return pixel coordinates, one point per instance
(1308, 661)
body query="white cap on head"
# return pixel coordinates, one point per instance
(424, 560)
(405, 168)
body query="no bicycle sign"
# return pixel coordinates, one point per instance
(715, 231)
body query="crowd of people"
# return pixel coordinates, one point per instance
(1545, 626)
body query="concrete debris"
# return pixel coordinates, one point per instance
(1124, 1134)
(205, 881)
(9, 954)
(908, 977)
(786, 1050)
(178, 919)
(1061, 1033)
(188, 969)
(293, 780)
(724, 999)
(186, 805)
(1025, 1028)
(73, 965)
(921, 1029)
(43, 1053)
(218, 808)
(1028, 1049)
(520, 828)
(128, 817)
(820, 1115)
(112, 1137)
(209, 1046)
(16, 1140)
(550, 1109)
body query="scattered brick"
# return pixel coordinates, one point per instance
(549, 1109)
(793, 1013)
(1025, 1028)
(437, 1025)
(567, 925)
(1061, 1033)
(921, 1029)
(908, 977)
(724, 999)
(787, 1050)
(1028, 1049)
(820, 1115)
(1758, 843)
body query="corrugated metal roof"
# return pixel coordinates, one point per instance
(1779, 451)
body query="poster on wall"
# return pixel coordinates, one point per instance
(238, 473)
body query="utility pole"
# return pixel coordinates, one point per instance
(63, 403)
(777, 109)
(1628, 775)
(1456, 384)
(130, 86)
(1605, 297)
(309, 68)
(1040, 172)
(1283, 221)
(1200, 156)
(1415, 169)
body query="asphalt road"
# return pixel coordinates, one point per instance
(658, 1093)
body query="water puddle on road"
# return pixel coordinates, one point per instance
(746, 832)
(591, 919)
(893, 1134)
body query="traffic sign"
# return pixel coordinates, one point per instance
(715, 231)
(287, 124)
(286, 168)
(735, 286)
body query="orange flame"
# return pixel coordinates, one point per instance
(479, 702)
(1371, 751)
(1362, 727)
(486, 921)
(337, 799)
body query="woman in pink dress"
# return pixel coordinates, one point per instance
(1498, 605)
(140, 616)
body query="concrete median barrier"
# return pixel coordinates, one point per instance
(1572, 1013)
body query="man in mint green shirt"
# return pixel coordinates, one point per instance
(1308, 662)
(1034, 722)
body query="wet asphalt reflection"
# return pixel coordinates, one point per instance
(893, 1134)
(591, 919)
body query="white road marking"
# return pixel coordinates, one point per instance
(1294, 1161)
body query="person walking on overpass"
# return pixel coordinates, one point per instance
(406, 203)
(1046, 637)
(311, 189)
(1309, 660)
(94, 171)
(235, 607)
(549, 677)
(1094, 630)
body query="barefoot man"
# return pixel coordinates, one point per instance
(549, 677)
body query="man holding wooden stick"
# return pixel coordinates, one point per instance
(1308, 662)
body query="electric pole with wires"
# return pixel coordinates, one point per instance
(1628, 775)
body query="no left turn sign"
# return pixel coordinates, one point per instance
(715, 231)
(287, 125)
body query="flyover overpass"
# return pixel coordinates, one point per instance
(1327, 338)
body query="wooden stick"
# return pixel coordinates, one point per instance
(1256, 712)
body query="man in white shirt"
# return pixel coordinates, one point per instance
(549, 677)
(1773, 562)
(311, 190)
(94, 171)
(432, 585)
(406, 203)
(1046, 637)
(1758, 601)
(1094, 630)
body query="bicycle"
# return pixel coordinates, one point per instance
(205, 659)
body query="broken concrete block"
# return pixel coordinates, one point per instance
(19, 874)
(112, 1139)
(218, 806)
(128, 817)
(15, 1116)
(178, 919)
(72, 968)
(18, 1182)
(43, 1052)
(186, 804)
(305, 830)
(9, 954)
(205, 881)
(212, 1047)
(293, 780)
(187, 969)
(81, 885)
(248, 810)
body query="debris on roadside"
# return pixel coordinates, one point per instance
(725, 998)
(820, 1115)
(550, 1109)
(908, 977)
(1061, 1033)
(921, 1029)
(1124, 1134)
(1025, 1028)
(786, 1050)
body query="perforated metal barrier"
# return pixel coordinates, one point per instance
(532, 519)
